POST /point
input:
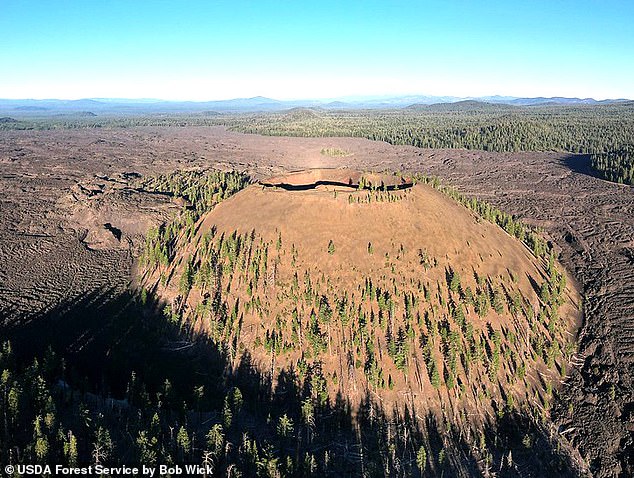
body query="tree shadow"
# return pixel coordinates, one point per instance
(103, 338)
(580, 163)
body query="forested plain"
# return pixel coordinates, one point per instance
(604, 131)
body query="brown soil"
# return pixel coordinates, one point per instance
(46, 258)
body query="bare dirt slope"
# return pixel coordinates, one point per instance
(591, 220)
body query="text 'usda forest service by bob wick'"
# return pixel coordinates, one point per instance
(140, 470)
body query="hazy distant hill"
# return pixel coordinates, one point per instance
(263, 104)
(557, 100)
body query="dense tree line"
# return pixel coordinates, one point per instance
(201, 190)
(575, 129)
(616, 165)
(46, 123)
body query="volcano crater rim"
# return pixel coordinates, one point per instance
(348, 179)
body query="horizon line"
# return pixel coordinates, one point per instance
(350, 98)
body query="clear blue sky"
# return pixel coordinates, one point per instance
(315, 49)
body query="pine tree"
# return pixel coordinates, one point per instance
(284, 426)
(227, 415)
(70, 449)
(421, 459)
(454, 284)
(216, 440)
(183, 442)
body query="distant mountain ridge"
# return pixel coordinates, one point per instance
(100, 106)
